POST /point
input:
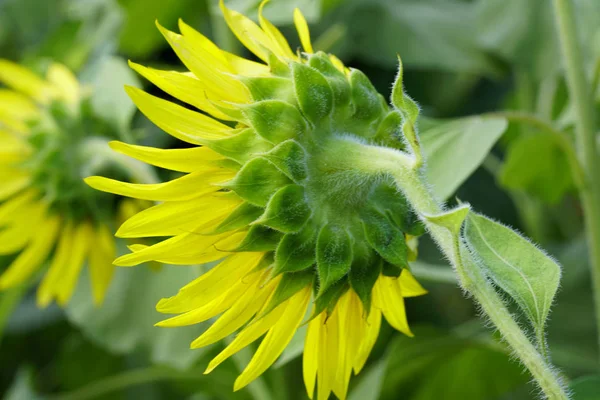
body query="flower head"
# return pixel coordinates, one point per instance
(48, 136)
(270, 188)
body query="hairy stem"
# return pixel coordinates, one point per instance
(581, 98)
(409, 180)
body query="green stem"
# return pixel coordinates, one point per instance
(400, 166)
(581, 98)
(433, 273)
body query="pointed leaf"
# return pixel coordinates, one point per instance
(267, 88)
(368, 103)
(275, 120)
(290, 284)
(334, 255)
(260, 238)
(385, 238)
(242, 146)
(257, 181)
(516, 265)
(290, 158)
(363, 275)
(296, 251)
(287, 210)
(242, 216)
(451, 219)
(313, 93)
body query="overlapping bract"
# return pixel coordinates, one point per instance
(265, 195)
(46, 212)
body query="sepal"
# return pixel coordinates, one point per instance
(242, 146)
(334, 255)
(287, 210)
(385, 238)
(296, 251)
(275, 120)
(257, 181)
(290, 158)
(259, 238)
(313, 93)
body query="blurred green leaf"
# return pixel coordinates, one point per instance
(279, 12)
(586, 388)
(140, 36)
(426, 34)
(536, 164)
(454, 149)
(294, 348)
(438, 365)
(528, 275)
(22, 387)
(109, 99)
(125, 322)
(369, 387)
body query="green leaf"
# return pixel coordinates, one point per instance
(296, 251)
(313, 93)
(125, 323)
(287, 210)
(378, 30)
(586, 388)
(257, 181)
(362, 277)
(538, 165)
(109, 99)
(334, 255)
(22, 387)
(371, 382)
(269, 88)
(385, 238)
(336, 79)
(328, 299)
(516, 265)
(290, 284)
(290, 158)
(140, 37)
(368, 103)
(451, 219)
(260, 238)
(294, 349)
(388, 200)
(275, 120)
(438, 365)
(242, 216)
(242, 146)
(454, 149)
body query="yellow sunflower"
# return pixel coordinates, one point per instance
(47, 138)
(268, 190)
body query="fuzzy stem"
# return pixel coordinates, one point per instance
(399, 165)
(581, 98)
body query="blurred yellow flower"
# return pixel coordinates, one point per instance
(46, 211)
(262, 193)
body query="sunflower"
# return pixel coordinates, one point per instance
(268, 191)
(47, 138)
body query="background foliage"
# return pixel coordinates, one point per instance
(462, 58)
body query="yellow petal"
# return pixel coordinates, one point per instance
(64, 82)
(279, 42)
(100, 263)
(252, 300)
(187, 187)
(222, 85)
(23, 227)
(10, 122)
(248, 33)
(13, 206)
(277, 339)
(178, 217)
(211, 284)
(186, 249)
(250, 334)
(12, 185)
(185, 87)
(25, 81)
(352, 323)
(46, 290)
(184, 124)
(18, 105)
(388, 297)
(328, 355)
(182, 160)
(338, 64)
(33, 256)
(244, 67)
(211, 52)
(303, 31)
(310, 358)
(409, 285)
(371, 332)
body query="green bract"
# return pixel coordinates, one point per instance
(304, 197)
